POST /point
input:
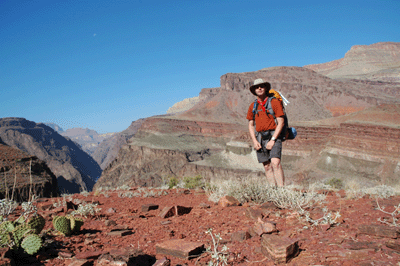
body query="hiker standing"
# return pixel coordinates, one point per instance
(265, 133)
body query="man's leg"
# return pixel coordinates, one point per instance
(269, 173)
(277, 170)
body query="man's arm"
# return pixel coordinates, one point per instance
(279, 127)
(277, 132)
(256, 144)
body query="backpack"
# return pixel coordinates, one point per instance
(287, 132)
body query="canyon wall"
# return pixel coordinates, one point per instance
(31, 176)
(75, 170)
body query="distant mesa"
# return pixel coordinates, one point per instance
(375, 62)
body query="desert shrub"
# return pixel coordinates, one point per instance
(219, 256)
(86, 209)
(335, 183)
(289, 197)
(381, 191)
(7, 206)
(354, 190)
(248, 189)
(127, 194)
(172, 182)
(193, 182)
(84, 193)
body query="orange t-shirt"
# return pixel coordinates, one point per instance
(265, 122)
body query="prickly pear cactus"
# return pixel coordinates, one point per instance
(5, 239)
(20, 232)
(7, 226)
(31, 244)
(72, 222)
(37, 223)
(20, 220)
(62, 224)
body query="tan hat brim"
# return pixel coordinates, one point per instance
(253, 88)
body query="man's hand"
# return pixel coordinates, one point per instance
(270, 144)
(256, 145)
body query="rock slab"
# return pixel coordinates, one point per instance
(180, 248)
(279, 249)
(379, 230)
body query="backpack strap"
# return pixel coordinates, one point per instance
(268, 107)
(255, 109)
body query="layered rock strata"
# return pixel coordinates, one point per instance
(363, 152)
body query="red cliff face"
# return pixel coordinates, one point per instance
(212, 129)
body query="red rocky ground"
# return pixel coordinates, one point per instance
(359, 239)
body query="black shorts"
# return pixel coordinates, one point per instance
(264, 155)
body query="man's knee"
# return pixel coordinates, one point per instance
(267, 166)
(276, 163)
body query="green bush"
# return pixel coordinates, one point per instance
(173, 181)
(335, 183)
(193, 182)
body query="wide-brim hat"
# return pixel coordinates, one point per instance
(259, 82)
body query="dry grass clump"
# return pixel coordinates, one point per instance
(255, 189)
(355, 190)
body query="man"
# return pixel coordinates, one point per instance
(265, 133)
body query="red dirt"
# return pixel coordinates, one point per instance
(341, 244)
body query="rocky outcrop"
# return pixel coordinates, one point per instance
(30, 175)
(75, 170)
(107, 150)
(378, 62)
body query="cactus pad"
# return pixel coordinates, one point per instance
(6, 226)
(31, 244)
(4, 239)
(72, 222)
(36, 222)
(20, 232)
(62, 224)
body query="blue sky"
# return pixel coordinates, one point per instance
(103, 64)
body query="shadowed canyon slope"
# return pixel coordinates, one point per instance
(75, 170)
(346, 129)
(32, 175)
